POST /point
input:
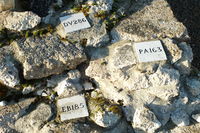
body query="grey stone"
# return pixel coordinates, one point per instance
(122, 7)
(96, 6)
(145, 120)
(174, 52)
(7, 4)
(184, 64)
(154, 20)
(45, 56)
(3, 103)
(102, 112)
(55, 79)
(193, 85)
(3, 16)
(122, 71)
(28, 89)
(186, 129)
(100, 5)
(10, 113)
(122, 79)
(180, 117)
(20, 21)
(94, 36)
(9, 74)
(34, 120)
(70, 85)
(88, 86)
(161, 109)
(196, 117)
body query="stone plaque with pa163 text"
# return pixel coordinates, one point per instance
(150, 51)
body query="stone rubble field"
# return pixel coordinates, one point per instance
(40, 66)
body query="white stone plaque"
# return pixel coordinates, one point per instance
(72, 107)
(150, 51)
(74, 22)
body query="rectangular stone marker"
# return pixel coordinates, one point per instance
(150, 51)
(74, 22)
(72, 107)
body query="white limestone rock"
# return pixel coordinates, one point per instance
(174, 52)
(102, 112)
(88, 86)
(9, 74)
(145, 120)
(154, 20)
(70, 85)
(10, 113)
(94, 36)
(34, 120)
(42, 57)
(7, 5)
(194, 128)
(100, 5)
(184, 64)
(196, 117)
(20, 21)
(28, 89)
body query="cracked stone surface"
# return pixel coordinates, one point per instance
(42, 57)
(9, 74)
(155, 20)
(20, 21)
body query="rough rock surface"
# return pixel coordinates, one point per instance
(193, 85)
(180, 54)
(187, 129)
(100, 5)
(45, 56)
(9, 74)
(196, 117)
(20, 21)
(7, 5)
(34, 120)
(102, 112)
(9, 114)
(155, 20)
(145, 120)
(3, 16)
(70, 85)
(120, 72)
(121, 78)
(180, 118)
(94, 36)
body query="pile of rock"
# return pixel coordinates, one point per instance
(83, 74)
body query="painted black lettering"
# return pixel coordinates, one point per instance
(81, 105)
(79, 20)
(146, 51)
(75, 22)
(69, 108)
(70, 23)
(150, 50)
(140, 50)
(154, 50)
(159, 49)
(64, 109)
(76, 106)
(65, 24)
(84, 20)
